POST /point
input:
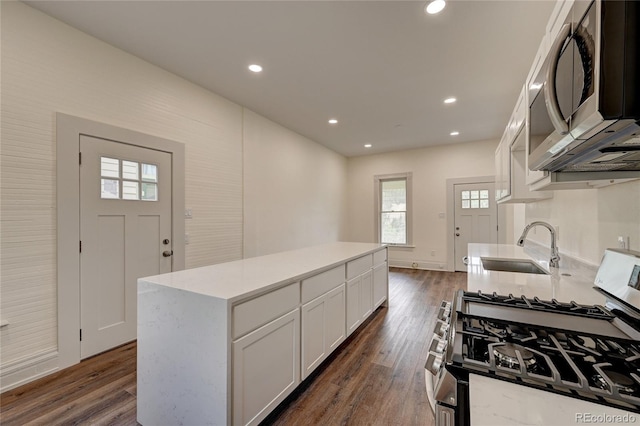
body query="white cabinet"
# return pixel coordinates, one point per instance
(380, 284)
(323, 316)
(511, 156)
(323, 327)
(359, 300)
(266, 368)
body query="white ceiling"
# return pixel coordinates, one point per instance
(382, 68)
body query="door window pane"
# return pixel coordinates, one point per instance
(149, 191)
(465, 195)
(475, 204)
(129, 170)
(465, 204)
(129, 190)
(109, 188)
(109, 167)
(149, 172)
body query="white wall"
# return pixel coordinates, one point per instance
(431, 167)
(294, 189)
(590, 220)
(49, 67)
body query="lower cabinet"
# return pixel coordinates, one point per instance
(380, 284)
(266, 368)
(359, 300)
(323, 328)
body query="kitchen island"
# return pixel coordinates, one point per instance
(225, 344)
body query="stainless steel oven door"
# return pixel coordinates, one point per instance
(429, 379)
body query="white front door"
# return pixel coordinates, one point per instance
(475, 218)
(125, 231)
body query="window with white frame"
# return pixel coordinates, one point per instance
(394, 209)
(128, 180)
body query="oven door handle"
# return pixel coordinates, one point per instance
(550, 93)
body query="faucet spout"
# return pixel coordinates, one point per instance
(554, 262)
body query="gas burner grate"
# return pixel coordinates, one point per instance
(572, 308)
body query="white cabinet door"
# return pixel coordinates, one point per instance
(380, 284)
(323, 328)
(266, 368)
(336, 323)
(353, 304)
(366, 295)
(359, 300)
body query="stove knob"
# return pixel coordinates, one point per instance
(438, 345)
(441, 328)
(434, 362)
(444, 314)
(437, 362)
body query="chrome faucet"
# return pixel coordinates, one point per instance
(555, 257)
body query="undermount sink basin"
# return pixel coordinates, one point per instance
(512, 265)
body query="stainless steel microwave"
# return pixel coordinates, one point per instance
(584, 104)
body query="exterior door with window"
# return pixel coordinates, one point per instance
(125, 231)
(475, 218)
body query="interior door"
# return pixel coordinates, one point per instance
(475, 218)
(125, 231)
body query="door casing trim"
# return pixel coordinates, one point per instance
(451, 210)
(68, 131)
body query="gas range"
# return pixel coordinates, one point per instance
(565, 358)
(586, 352)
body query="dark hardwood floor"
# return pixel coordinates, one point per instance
(375, 378)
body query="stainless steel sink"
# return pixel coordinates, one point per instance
(512, 265)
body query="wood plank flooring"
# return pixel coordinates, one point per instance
(375, 378)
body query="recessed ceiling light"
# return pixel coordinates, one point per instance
(450, 100)
(255, 68)
(435, 6)
(333, 121)
(368, 145)
(455, 133)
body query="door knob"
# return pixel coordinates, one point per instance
(167, 253)
(457, 234)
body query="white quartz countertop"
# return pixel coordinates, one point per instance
(243, 278)
(573, 281)
(495, 402)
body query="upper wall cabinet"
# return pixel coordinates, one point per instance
(511, 168)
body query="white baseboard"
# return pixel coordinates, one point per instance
(25, 370)
(418, 264)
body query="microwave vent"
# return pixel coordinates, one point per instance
(634, 141)
(594, 167)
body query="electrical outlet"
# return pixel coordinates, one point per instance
(188, 214)
(623, 242)
(186, 238)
